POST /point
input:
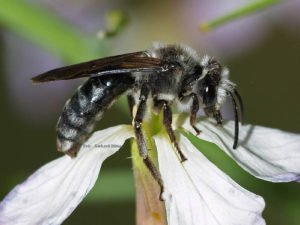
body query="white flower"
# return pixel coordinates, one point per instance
(199, 193)
(266, 153)
(51, 194)
(196, 191)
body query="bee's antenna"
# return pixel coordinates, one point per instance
(240, 104)
(236, 120)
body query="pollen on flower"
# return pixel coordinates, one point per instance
(156, 216)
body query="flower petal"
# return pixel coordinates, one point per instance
(51, 194)
(269, 154)
(197, 192)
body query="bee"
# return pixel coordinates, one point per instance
(157, 78)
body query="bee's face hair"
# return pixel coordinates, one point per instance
(215, 83)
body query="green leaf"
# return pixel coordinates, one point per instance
(48, 31)
(238, 13)
(112, 186)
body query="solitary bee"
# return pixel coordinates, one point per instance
(158, 77)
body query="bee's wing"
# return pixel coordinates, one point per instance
(131, 62)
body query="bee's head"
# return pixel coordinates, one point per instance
(207, 87)
(209, 81)
(213, 87)
(213, 84)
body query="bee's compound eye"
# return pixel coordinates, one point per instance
(209, 95)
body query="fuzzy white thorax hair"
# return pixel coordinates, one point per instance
(224, 87)
(190, 52)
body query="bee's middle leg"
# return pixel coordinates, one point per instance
(194, 110)
(131, 104)
(167, 120)
(141, 142)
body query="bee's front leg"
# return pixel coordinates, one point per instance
(216, 114)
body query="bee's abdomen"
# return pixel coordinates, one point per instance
(86, 107)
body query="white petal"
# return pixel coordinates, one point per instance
(266, 153)
(51, 194)
(198, 193)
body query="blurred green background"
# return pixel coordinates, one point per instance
(262, 52)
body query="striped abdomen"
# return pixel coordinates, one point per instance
(86, 107)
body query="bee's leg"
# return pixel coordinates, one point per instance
(194, 110)
(218, 117)
(141, 143)
(216, 114)
(131, 104)
(167, 120)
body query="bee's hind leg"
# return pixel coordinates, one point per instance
(140, 139)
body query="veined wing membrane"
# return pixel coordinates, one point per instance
(131, 62)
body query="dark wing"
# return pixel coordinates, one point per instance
(131, 62)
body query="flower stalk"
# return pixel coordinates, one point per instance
(149, 210)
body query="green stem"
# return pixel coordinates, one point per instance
(241, 12)
(116, 21)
